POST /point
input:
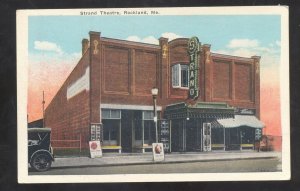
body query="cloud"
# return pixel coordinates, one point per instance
(270, 56)
(242, 52)
(47, 46)
(242, 43)
(248, 48)
(170, 35)
(148, 39)
(134, 38)
(278, 43)
(152, 39)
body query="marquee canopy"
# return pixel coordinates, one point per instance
(204, 110)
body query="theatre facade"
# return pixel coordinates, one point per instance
(206, 101)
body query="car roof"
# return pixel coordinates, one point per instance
(39, 130)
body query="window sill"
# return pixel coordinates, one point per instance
(184, 88)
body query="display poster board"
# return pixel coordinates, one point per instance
(95, 149)
(258, 134)
(158, 152)
(165, 135)
(96, 132)
(206, 136)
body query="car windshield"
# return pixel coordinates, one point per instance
(34, 138)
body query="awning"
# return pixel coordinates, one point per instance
(241, 120)
(216, 124)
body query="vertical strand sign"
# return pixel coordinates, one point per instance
(193, 50)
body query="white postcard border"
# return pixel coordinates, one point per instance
(22, 84)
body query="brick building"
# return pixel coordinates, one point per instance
(205, 100)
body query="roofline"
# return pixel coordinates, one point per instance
(177, 39)
(106, 39)
(226, 56)
(36, 129)
(35, 120)
(181, 38)
(86, 52)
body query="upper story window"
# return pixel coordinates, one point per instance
(180, 76)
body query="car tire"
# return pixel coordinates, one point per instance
(41, 162)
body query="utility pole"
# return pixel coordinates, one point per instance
(43, 110)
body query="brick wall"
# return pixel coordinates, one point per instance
(243, 77)
(234, 81)
(116, 66)
(178, 55)
(124, 72)
(69, 118)
(129, 72)
(221, 80)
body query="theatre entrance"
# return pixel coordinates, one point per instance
(186, 135)
(191, 125)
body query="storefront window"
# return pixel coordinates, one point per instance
(217, 136)
(111, 114)
(145, 127)
(147, 115)
(110, 130)
(111, 125)
(115, 114)
(149, 128)
(138, 130)
(105, 113)
(149, 131)
(180, 75)
(247, 135)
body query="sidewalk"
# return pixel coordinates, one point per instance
(110, 159)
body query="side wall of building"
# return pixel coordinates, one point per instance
(68, 113)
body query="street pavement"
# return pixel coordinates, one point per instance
(110, 159)
(226, 166)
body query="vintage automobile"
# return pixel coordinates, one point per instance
(40, 152)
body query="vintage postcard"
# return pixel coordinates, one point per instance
(153, 94)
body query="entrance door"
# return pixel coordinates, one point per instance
(206, 136)
(126, 130)
(192, 143)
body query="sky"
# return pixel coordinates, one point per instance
(54, 44)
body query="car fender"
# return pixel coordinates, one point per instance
(41, 151)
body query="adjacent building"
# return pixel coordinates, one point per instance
(205, 100)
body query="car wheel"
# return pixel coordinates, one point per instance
(41, 162)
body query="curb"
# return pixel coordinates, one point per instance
(161, 162)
